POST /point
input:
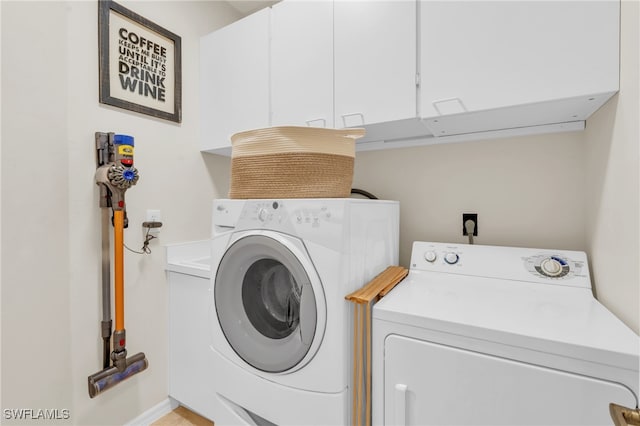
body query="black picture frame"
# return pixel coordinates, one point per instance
(140, 63)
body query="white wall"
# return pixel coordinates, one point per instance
(613, 163)
(527, 191)
(36, 306)
(50, 217)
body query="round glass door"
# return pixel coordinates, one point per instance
(266, 304)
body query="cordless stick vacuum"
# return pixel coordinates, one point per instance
(114, 175)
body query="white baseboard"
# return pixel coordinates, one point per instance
(154, 413)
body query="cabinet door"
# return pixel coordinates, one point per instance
(234, 81)
(483, 55)
(431, 384)
(190, 366)
(302, 63)
(375, 61)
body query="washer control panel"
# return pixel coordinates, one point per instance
(274, 212)
(560, 267)
(319, 219)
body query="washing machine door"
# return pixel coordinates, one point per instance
(269, 301)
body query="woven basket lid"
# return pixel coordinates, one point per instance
(274, 140)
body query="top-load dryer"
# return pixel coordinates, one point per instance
(484, 335)
(280, 324)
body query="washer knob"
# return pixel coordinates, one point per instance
(430, 256)
(551, 267)
(451, 258)
(262, 215)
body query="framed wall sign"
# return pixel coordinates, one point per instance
(140, 63)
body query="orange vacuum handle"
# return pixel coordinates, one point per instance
(118, 242)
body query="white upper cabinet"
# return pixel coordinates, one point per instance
(234, 81)
(302, 63)
(375, 61)
(489, 55)
(411, 71)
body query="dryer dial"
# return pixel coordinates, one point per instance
(551, 267)
(430, 256)
(451, 258)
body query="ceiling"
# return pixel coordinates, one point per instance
(247, 7)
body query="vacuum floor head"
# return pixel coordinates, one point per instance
(109, 377)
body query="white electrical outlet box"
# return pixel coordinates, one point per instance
(154, 216)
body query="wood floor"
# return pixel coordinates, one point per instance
(182, 417)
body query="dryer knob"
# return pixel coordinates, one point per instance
(430, 256)
(551, 267)
(451, 258)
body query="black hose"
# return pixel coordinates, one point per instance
(364, 193)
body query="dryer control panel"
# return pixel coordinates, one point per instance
(555, 266)
(560, 267)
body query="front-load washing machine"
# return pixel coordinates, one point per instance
(280, 324)
(481, 335)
